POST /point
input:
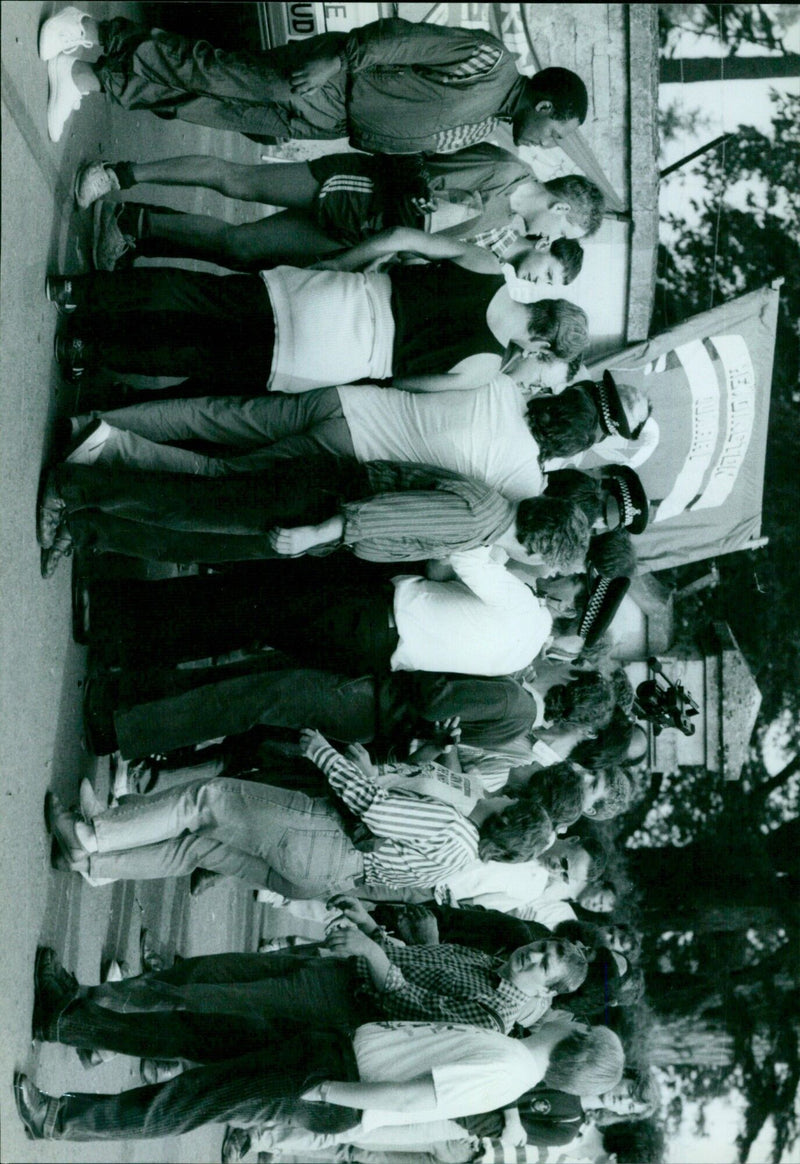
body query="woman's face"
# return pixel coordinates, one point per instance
(621, 1102)
(597, 900)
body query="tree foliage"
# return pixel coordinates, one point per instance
(743, 234)
(732, 25)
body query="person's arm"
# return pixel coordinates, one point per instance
(407, 240)
(513, 1131)
(358, 791)
(474, 372)
(487, 579)
(416, 1095)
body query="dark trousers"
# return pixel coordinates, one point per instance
(202, 519)
(209, 1008)
(250, 93)
(333, 626)
(164, 321)
(251, 1089)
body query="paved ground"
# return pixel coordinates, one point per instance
(41, 669)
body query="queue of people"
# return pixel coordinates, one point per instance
(403, 719)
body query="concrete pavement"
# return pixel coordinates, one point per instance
(41, 669)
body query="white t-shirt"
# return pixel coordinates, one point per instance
(486, 623)
(331, 327)
(496, 884)
(481, 433)
(473, 1070)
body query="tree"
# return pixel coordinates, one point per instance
(731, 24)
(720, 915)
(729, 248)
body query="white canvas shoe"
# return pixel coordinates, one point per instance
(63, 33)
(94, 180)
(64, 96)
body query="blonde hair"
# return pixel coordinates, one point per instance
(586, 1062)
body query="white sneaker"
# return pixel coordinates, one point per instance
(63, 33)
(90, 444)
(94, 180)
(64, 98)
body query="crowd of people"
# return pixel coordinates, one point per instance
(402, 720)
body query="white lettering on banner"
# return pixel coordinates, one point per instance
(704, 387)
(741, 410)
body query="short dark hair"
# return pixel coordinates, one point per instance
(598, 855)
(564, 325)
(566, 91)
(573, 485)
(562, 425)
(586, 701)
(559, 788)
(610, 746)
(575, 968)
(612, 554)
(519, 833)
(556, 530)
(569, 253)
(618, 796)
(586, 202)
(635, 1141)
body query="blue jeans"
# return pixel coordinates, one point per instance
(269, 836)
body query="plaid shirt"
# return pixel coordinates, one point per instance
(421, 841)
(448, 984)
(499, 241)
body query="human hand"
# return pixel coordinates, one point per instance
(418, 926)
(360, 756)
(314, 74)
(345, 941)
(448, 731)
(353, 909)
(317, 1093)
(311, 741)
(292, 543)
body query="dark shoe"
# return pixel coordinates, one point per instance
(50, 511)
(80, 603)
(32, 1106)
(61, 825)
(202, 880)
(235, 1144)
(54, 988)
(74, 356)
(60, 291)
(50, 559)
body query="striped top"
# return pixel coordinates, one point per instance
(420, 841)
(418, 511)
(461, 136)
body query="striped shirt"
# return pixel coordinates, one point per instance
(421, 841)
(450, 984)
(477, 64)
(418, 511)
(462, 136)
